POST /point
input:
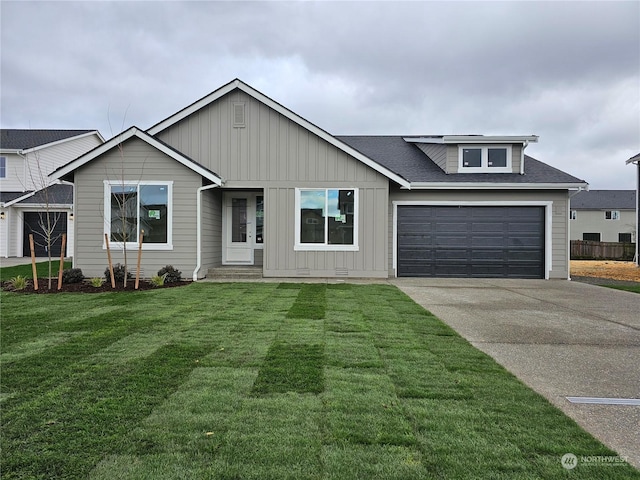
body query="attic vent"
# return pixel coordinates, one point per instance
(238, 115)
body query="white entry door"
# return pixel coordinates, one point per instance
(242, 224)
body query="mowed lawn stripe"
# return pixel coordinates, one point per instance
(402, 397)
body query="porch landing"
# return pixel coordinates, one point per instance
(234, 272)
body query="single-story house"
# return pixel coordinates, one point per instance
(636, 160)
(27, 157)
(604, 216)
(238, 179)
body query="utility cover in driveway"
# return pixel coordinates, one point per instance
(470, 241)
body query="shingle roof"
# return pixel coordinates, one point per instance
(409, 161)
(54, 194)
(604, 199)
(11, 139)
(10, 196)
(58, 194)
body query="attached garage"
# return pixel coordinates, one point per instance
(482, 241)
(32, 222)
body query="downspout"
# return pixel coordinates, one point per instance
(568, 220)
(24, 170)
(199, 228)
(524, 145)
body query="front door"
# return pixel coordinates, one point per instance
(242, 221)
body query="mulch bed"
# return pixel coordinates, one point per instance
(86, 287)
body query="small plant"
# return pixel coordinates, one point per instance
(72, 275)
(172, 275)
(18, 283)
(97, 282)
(118, 273)
(158, 280)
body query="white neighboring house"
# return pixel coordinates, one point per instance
(636, 159)
(603, 216)
(27, 157)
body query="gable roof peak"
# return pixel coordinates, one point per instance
(122, 137)
(285, 112)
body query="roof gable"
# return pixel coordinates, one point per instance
(27, 139)
(145, 137)
(238, 84)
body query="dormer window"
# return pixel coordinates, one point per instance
(484, 158)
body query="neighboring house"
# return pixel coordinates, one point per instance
(604, 216)
(27, 157)
(238, 179)
(636, 159)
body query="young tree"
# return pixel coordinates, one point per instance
(46, 234)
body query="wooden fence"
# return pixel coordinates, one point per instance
(588, 250)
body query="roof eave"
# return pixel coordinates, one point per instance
(19, 199)
(635, 159)
(496, 186)
(58, 142)
(474, 139)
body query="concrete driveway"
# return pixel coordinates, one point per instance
(561, 338)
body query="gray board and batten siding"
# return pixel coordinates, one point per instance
(271, 152)
(138, 161)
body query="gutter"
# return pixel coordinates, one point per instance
(199, 228)
(496, 186)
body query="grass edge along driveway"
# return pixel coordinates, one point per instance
(266, 381)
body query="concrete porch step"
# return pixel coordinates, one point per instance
(233, 272)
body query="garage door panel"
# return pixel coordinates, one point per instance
(470, 241)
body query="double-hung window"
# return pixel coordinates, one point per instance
(484, 158)
(326, 219)
(3, 167)
(139, 208)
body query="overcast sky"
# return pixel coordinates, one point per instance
(566, 71)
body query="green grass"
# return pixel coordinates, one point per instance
(265, 381)
(627, 288)
(7, 273)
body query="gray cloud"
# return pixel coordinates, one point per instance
(567, 71)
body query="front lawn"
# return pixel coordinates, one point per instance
(7, 273)
(627, 288)
(265, 381)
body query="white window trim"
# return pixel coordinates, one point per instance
(321, 247)
(134, 245)
(548, 224)
(485, 168)
(615, 214)
(573, 215)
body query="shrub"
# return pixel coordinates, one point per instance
(171, 274)
(72, 275)
(118, 273)
(18, 283)
(97, 281)
(158, 280)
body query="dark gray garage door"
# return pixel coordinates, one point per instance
(467, 241)
(32, 224)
